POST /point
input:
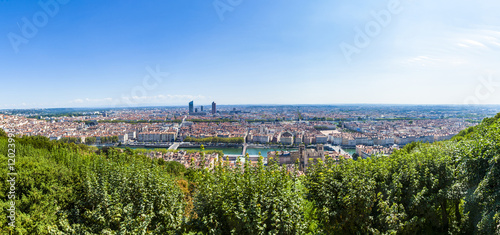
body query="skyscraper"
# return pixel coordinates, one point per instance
(202, 108)
(214, 108)
(191, 107)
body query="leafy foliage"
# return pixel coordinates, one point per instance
(406, 193)
(478, 158)
(42, 188)
(2, 133)
(65, 188)
(123, 195)
(248, 200)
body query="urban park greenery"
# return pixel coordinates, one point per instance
(65, 188)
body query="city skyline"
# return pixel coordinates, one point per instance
(136, 54)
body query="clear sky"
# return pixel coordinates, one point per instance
(157, 52)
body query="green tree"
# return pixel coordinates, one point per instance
(2, 133)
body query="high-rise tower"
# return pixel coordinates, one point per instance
(191, 107)
(214, 108)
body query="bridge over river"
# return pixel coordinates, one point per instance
(244, 149)
(174, 146)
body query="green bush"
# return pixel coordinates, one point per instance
(249, 200)
(66, 189)
(133, 197)
(408, 192)
(43, 188)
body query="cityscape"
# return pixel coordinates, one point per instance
(243, 117)
(344, 130)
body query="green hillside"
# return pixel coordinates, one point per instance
(445, 187)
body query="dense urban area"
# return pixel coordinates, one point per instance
(372, 128)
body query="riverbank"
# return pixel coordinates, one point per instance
(227, 149)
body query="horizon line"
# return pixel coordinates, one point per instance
(270, 105)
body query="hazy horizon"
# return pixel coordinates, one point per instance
(208, 107)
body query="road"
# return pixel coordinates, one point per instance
(176, 145)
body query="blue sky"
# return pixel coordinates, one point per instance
(136, 53)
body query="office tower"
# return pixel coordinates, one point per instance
(202, 108)
(191, 107)
(214, 108)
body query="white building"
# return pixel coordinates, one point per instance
(123, 138)
(287, 138)
(321, 139)
(261, 139)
